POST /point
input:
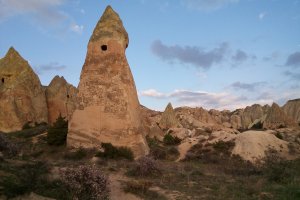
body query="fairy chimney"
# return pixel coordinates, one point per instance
(108, 106)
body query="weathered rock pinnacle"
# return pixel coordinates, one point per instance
(168, 118)
(22, 98)
(108, 107)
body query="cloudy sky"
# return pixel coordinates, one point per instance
(221, 54)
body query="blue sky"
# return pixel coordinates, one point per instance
(222, 54)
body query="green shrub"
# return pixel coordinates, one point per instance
(8, 148)
(113, 152)
(275, 169)
(279, 136)
(223, 147)
(170, 140)
(57, 134)
(26, 126)
(145, 166)
(23, 179)
(77, 155)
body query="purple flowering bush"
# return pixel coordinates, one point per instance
(86, 182)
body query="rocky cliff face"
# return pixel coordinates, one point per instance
(276, 118)
(22, 98)
(61, 99)
(108, 107)
(292, 109)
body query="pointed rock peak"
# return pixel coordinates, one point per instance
(110, 26)
(57, 80)
(169, 107)
(12, 53)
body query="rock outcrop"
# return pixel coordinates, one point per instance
(168, 118)
(108, 109)
(292, 109)
(276, 118)
(61, 99)
(22, 98)
(253, 145)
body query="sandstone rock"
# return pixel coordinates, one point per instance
(168, 118)
(181, 133)
(156, 132)
(22, 98)
(253, 145)
(292, 109)
(61, 99)
(108, 109)
(276, 118)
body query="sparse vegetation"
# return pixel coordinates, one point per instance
(145, 166)
(57, 134)
(141, 188)
(113, 152)
(76, 155)
(7, 146)
(160, 152)
(279, 135)
(171, 140)
(86, 182)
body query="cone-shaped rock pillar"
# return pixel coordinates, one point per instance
(108, 106)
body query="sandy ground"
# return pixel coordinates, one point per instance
(116, 190)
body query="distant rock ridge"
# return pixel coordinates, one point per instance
(22, 98)
(276, 118)
(108, 109)
(292, 109)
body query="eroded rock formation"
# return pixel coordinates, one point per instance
(292, 109)
(168, 118)
(61, 99)
(22, 98)
(108, 107)
(276, 118)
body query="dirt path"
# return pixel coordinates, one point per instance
(116, 190)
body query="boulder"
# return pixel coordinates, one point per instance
(253, 145)
(108, 109)
(22, 97)
(61, 99)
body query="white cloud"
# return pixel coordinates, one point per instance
(77, 28)
(46, 9)
(262, 15)
(219, 100)
(47, 13)
(152, 93)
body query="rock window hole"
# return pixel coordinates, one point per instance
(126, 46)
(2, 80)
(104, 47)
(68, 96)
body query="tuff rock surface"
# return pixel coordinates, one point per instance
(292, 109)
(61, 99)
(108, 109)
(22, 97)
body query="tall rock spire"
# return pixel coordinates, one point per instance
(108, 106)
